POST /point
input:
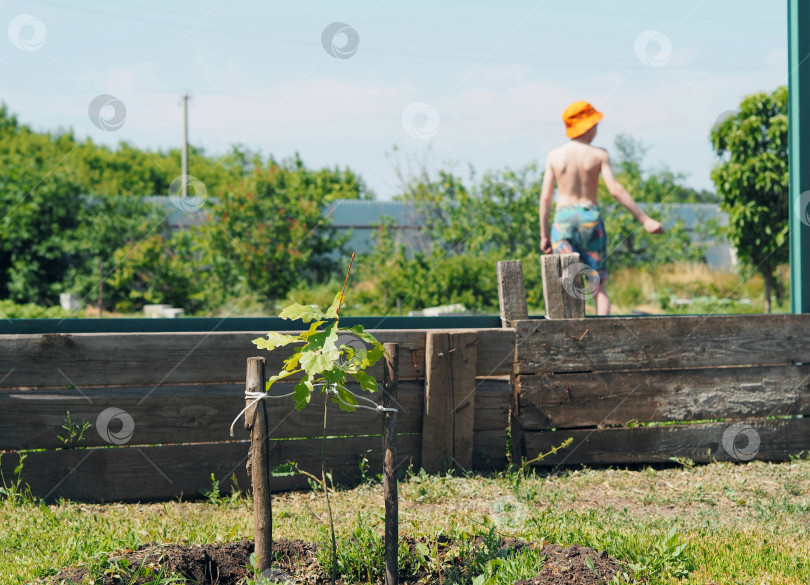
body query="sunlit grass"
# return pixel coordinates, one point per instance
(691, 288)
(740, 523)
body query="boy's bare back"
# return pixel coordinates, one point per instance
(576, 167)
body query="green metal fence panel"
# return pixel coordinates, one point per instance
(206, 324)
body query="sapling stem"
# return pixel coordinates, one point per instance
(345, 280)
(333, 573)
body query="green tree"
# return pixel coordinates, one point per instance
(469, 226)
(752, 179)
(157, 269)
(39, 219)
(629, 245)
(268, 233)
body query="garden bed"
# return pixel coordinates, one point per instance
(297, 561)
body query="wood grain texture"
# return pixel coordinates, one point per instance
(562, 282)
(610, 398)
(573, 284)
(511, 291)
(88, 359)
(492, 405)
(168, 472)
(489, 450)
(778, 440)
(551, 273)
(437, 416)
(259, 464)
(32, 419)
(462, 364)
(629, 343)
(391, 538)
(496, 352)
(449, 413)
(139, 359)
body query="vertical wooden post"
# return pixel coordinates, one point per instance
(390, 381)
(563, 288)
(447, 420)
(511, 291)
(512, 298)
(256, 422)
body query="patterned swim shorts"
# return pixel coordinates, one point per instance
(580, 229)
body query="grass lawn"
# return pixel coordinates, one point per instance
(740, 523)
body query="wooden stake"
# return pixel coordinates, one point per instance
(563, 287)
(511, 291)
(256, 422)
(390, 380)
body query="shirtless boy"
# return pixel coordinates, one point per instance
(578, 226)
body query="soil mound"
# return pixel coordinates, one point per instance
(567, 566)
(296, 562)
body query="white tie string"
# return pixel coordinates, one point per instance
(330, 389)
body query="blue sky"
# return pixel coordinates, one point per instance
(479, 82)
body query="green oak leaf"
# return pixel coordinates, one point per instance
(278, 377)
(367, 382)
(330, 350)
(332, 313)
(274, 340)
(346, 397)
(302, 393)
(367, 337)
(291, 362)
(312, 329)
(372, 357)
(335, 376)
(315, 362)
(304, 312)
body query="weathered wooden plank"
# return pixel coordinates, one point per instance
(574, 286)
(168, 472)
(449, 412)
(489, 450)
(91, 359)
(462, 360)
(609, 398)
(496, 352)
(562, 286)
(623, 343)
(32, 419)
(773, 440)
(511, 291)
(437, 416)
(551, 273)
(492, 405)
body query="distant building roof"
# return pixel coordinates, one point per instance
(178, 218)
(690, 213)
(364, 213)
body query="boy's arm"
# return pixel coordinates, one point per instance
(546, 198)
(623, 197)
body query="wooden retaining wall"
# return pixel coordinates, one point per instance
(706, 384)
(180, 392)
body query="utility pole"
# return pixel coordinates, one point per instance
(184, 153)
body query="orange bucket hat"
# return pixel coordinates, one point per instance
(580, 117)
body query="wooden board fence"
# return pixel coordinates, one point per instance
(136, 359)
(179, 394)
(649, 389)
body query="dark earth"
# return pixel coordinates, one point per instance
(225, 564)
